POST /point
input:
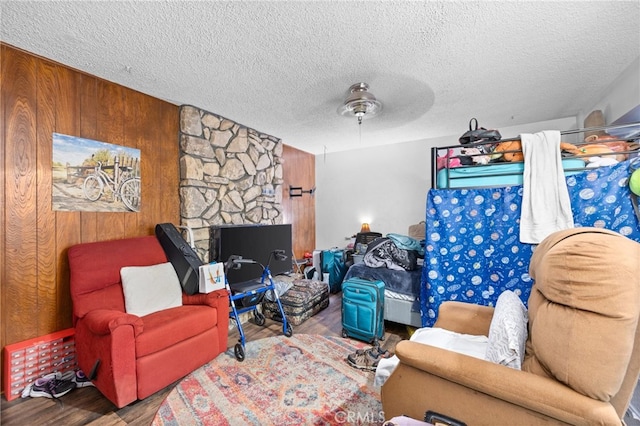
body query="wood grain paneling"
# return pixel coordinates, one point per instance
(169, 124)
(151, 173)
(20, 227)
(40, 97)
(88, 123)
(68, 230)
(110, 129)
(133, 133)
(47, 88)
(299, 170)
(3, 164)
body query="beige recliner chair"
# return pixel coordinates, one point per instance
(582, 358)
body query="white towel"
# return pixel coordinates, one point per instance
(546, 206)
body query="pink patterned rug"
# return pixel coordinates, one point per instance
(301, 380)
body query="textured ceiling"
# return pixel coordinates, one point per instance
(284, 67)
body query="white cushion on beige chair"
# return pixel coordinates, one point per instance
(467, 344)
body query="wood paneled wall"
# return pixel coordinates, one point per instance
(300, 212)
(38, 98)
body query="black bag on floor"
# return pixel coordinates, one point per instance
(181, 255)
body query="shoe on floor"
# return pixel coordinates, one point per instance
(26, 392)
(364, 361)
(383, 353)
(81, 379)
(51, 386)
(376, 351)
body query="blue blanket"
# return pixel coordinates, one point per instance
(473, 251)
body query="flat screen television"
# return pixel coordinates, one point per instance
(251, 242)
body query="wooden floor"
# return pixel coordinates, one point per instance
(87, 406)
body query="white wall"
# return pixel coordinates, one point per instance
(621, 96)
(385, 186)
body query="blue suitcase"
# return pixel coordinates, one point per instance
(363, 309)
(334, 264)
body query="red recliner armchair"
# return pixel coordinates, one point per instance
(138, 355)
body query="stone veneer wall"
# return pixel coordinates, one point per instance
(229, 174)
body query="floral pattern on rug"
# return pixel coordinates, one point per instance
(301, 380)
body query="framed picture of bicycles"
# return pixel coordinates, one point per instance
(95, 176)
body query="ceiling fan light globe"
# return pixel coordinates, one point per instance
(360, 103)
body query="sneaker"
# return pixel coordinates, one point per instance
(27, 390)
(364, 361)
(81, 379)
(67, 375)
(376, 352)
(51, 386)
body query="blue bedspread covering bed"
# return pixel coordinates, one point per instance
(473, 251)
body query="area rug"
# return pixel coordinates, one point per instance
(301, 380)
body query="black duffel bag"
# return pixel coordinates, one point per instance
(475, 134)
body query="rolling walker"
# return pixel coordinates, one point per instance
(255, 297)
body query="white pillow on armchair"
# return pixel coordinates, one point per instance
(508, 331)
